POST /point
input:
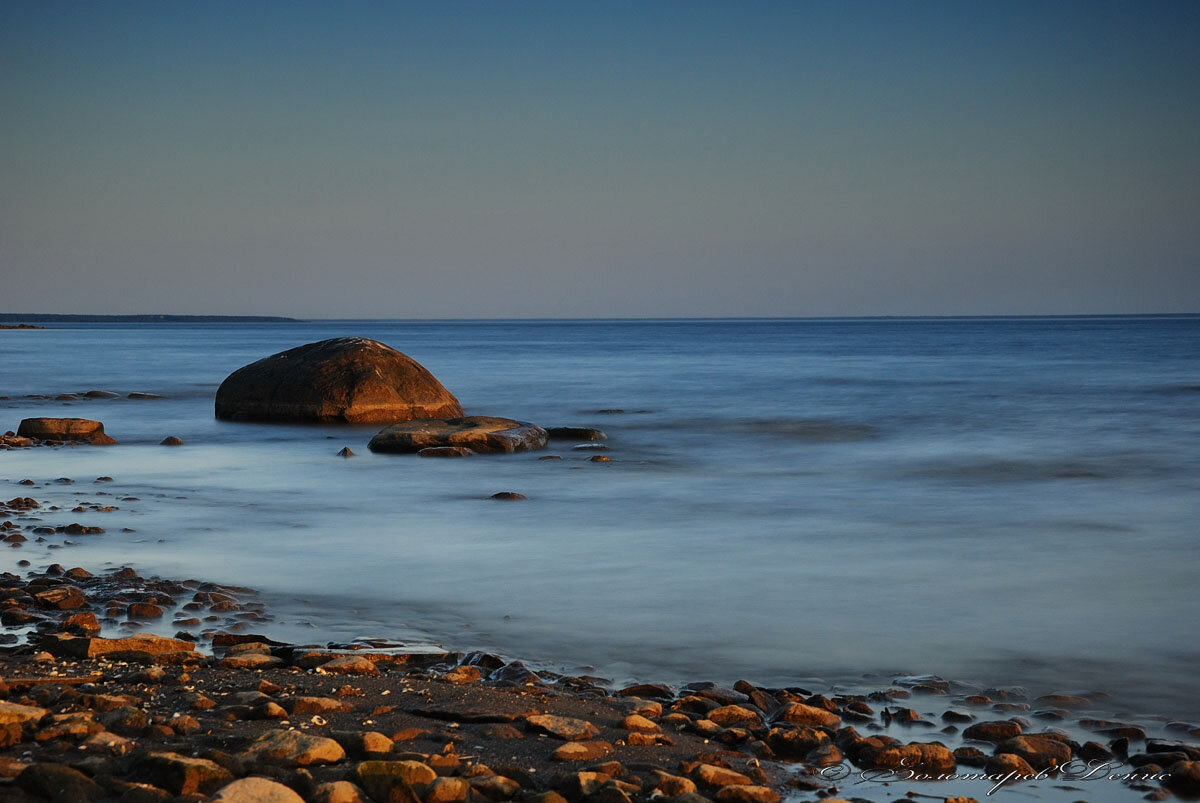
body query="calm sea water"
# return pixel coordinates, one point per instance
(1005, 500)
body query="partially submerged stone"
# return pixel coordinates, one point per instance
(993, 730)
(925, 756)
(65, 429)
(478, 433)
(64, 598)
(801, 714)
(351, 379)
(1042, 752)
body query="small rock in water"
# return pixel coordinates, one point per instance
(171, 440)
(510, 496)
(590, 447)
(345, 452)
(600, 458)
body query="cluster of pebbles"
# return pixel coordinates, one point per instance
(94, 706)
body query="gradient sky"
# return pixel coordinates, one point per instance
(602, 159)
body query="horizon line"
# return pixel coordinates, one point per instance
(7, 317)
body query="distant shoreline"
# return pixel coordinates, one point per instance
(12, 317)
(6, 317)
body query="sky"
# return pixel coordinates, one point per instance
(599, 159)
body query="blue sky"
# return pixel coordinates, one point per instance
(600, 159)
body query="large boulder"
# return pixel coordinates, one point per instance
(350, 379)
(478, 433)
(64, 429)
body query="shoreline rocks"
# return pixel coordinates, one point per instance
(157, 717)
(222, 709)
(350, 379)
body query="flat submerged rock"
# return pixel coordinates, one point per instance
(64, 429)
(481, 434)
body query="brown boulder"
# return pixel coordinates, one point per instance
(1042, 752)
(801, 714)
(477, 433)
(569, 729)
(181, 775)
(65, 429)
(1183, 777)
(350, 379)
(582, 751)
(62, 645)
(930, 757)
(64, 598)
(993, 731)
(256, 790)
(294, 748)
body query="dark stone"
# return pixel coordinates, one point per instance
(575, 434)
(350, 379)
(1039, 750)
(993, 731)
(58, 783)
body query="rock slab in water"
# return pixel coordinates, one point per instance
(351, 379)
(477, 433)
(65, 429)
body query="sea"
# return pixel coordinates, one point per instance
(1001, 501)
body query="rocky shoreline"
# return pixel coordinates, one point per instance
(96, 708)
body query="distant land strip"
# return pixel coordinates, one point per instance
(52, 318)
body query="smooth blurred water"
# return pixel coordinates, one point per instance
(1010, 500)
